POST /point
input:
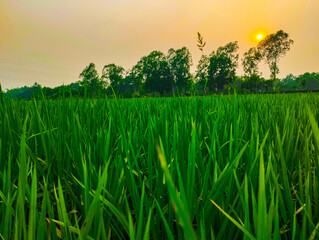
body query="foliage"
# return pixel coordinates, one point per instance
(217, 167)
(254, 83)
(250, 62)
(180, 61)
(113, 75)
(136, 76)
(308, 81)
(90, 79)
(156, 72)
(222, 66)
(202, 71)
(128, 87)
(272, 48)
(289, 83)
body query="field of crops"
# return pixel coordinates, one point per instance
(219, 167)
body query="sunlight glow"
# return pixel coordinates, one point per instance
(259, 36)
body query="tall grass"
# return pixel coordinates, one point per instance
(226, 167)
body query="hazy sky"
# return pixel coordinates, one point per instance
(52, 41)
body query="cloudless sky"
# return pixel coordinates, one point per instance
(52, 41)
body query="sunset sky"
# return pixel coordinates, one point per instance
(51, 42)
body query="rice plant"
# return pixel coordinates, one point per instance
(217, 167)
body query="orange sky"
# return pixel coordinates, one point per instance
(51, 42)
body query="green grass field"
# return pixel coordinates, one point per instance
(220, 167)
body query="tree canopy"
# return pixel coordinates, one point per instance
(222, 66)
(157, 74)
(272, 48)
(250, 61)
(113, 75)
(90, 78)
(180, 61)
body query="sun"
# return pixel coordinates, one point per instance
(258, 34)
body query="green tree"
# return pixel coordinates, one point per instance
(136, 77)
(201, 74)
(157, 75)
(113, 75)
(302, 82)
(250, 61)
(222, 66)
(180, 61)
(250, 65)
(272, 48)
(90, 80)
(308, 81)
(288, 83)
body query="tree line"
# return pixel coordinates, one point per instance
(169, 74)
(160, 74)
